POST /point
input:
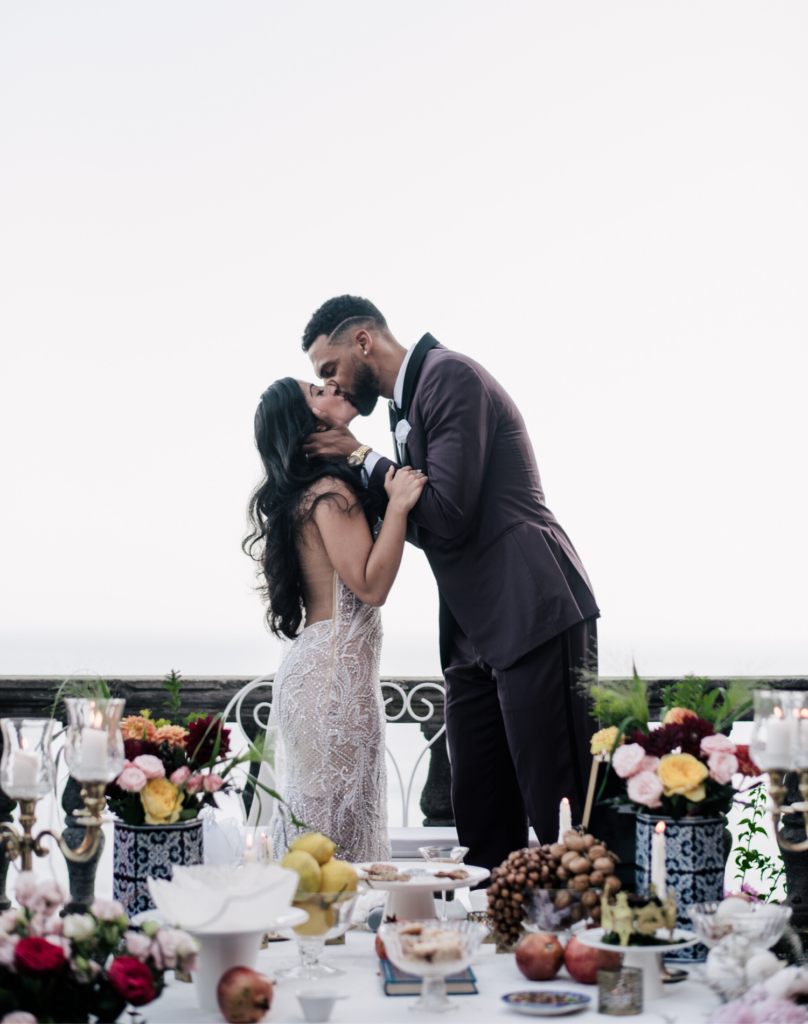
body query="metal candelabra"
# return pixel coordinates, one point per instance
(26, 844)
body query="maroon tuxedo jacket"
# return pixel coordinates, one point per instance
(504, 566)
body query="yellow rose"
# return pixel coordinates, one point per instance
(683, 774)
(603, 741)
(161, 801)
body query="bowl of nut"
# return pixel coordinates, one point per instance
(579, 865)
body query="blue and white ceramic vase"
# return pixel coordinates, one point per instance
(695, 860)
(144, 851)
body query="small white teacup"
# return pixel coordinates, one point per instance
(317, 1003)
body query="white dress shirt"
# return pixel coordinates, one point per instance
(398, 397)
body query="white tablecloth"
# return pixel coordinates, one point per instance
(689, 1002)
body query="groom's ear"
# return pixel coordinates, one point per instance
(363, 340)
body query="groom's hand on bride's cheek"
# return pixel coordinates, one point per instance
(332, 440)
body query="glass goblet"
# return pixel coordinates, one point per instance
(415, 954)
(329, 918)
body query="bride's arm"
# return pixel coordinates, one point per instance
(367, 569)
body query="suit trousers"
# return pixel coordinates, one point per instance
(518, 739)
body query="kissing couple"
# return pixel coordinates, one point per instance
(517, 612)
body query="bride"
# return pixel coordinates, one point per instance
(313, 537)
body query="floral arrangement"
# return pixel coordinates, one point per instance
(67, 969)
(685, 766)
(778, 999)
(170, 771)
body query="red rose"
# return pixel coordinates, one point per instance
(746, 766)
(132, 980)
(34, 956)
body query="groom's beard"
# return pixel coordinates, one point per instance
(365, 392)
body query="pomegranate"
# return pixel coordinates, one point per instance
(584, 962)
(381, 952)
(539, 956)
(244, 995)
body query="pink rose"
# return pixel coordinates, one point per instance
(722, 767)
(717, 744)
(137, 945)
(8, 944)
(648, 764)
(47, 898)
(25, 888)
(213, 783)
(626, 760)
(108, 910)
(8, 920)
(164, 948)
(194, 783)
(19, 1017)
(180, 775)
(645, 788)
(151, 766)
(132, 779)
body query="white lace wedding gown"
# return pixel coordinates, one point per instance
(330, 761)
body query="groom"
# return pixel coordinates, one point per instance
(517, 613)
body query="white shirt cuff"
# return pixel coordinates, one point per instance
(367, 466)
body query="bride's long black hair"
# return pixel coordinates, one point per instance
(279, 505)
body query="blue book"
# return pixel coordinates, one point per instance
(398, 983)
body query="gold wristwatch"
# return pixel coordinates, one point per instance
(358, 457)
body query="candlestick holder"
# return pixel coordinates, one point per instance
(27, 773)
(779, 744)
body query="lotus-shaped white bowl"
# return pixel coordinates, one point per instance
(220, 898)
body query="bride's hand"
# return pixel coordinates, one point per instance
(404, 487)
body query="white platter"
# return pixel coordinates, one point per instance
(413, 900)
(647, 958)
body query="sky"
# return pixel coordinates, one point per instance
(603, 203)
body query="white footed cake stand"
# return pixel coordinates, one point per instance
(647, 958)
(413, 900)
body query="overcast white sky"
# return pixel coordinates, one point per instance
(603, 202)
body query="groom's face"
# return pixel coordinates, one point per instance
(349, 369)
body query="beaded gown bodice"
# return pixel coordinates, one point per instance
(330, 764)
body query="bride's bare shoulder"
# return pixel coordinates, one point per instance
(331, 491)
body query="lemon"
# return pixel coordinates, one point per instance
(315, 843)
(321, 919)
(307, 868)
(337, 876)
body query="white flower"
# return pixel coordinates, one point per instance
(8, 920)
(79, 927)
(108, 910)
(7, 946)
(47, 897)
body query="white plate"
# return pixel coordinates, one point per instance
(592, 937)
(424, 880)
(582, 1002)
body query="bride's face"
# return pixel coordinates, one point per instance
(328, 399)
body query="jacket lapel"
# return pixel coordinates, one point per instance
(411, 378)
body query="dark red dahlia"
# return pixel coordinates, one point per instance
(689, 734)
(134, 748)
(202, 736)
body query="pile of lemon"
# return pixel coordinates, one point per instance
(324, 881)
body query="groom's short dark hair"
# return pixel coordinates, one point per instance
(334, 311)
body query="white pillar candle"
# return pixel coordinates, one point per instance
(94, 743)
(779, 740)
(659, 875)
(250, 856)
(26, 771)
(564, 819)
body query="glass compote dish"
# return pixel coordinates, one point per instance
(329, 918)
(444, 854)
(557, 910)
(739, 935)
(432, 950)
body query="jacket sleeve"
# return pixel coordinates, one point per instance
(460, 422)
